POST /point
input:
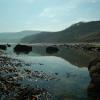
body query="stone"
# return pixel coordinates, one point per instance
(52, 49)
(22, 49)
(3, 47)
(94, 86)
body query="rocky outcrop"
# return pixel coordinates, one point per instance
(94, 86)
(52, 49)
(22, 49)
(3, 47)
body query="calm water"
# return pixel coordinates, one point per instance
(71, 80)
(77, 57)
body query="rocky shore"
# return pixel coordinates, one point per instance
(19, 82)
(12, 76)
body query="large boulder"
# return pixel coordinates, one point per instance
(94, 86)
(52, 49)
(94, 70)
(22, 49)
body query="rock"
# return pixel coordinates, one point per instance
(12, 76)
(8, 45)
(52, 49)
(94, 86)
(56, 73)
(1, 52)
(3, 47)
(93, 92)
(22, 49)
(94, 70)
(34, 98)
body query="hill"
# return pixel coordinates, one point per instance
(79, 32)
(15, 36)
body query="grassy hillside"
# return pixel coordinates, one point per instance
(79, 32)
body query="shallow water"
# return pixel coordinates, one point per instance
(70, 82)
(77, 57)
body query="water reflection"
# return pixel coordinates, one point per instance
(71, 81)
(75, 56)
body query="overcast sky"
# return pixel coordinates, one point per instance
(48, 15)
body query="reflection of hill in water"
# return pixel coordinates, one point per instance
(77, 57)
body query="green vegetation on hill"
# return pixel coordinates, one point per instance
(79, 32)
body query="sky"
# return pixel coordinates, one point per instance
(46, 15)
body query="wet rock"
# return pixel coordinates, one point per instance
(22, 49)
(1, 52)
(42, 75)
(93, 91)
(12, 76)
(52, 49)
(56, 73)
(34, 98)
(3, 47)
(28, 93)
(94, 86)
(8, 45)
(94, 70)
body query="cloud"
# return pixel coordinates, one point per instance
(48, 12)
(60, 10)
(56, 12)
